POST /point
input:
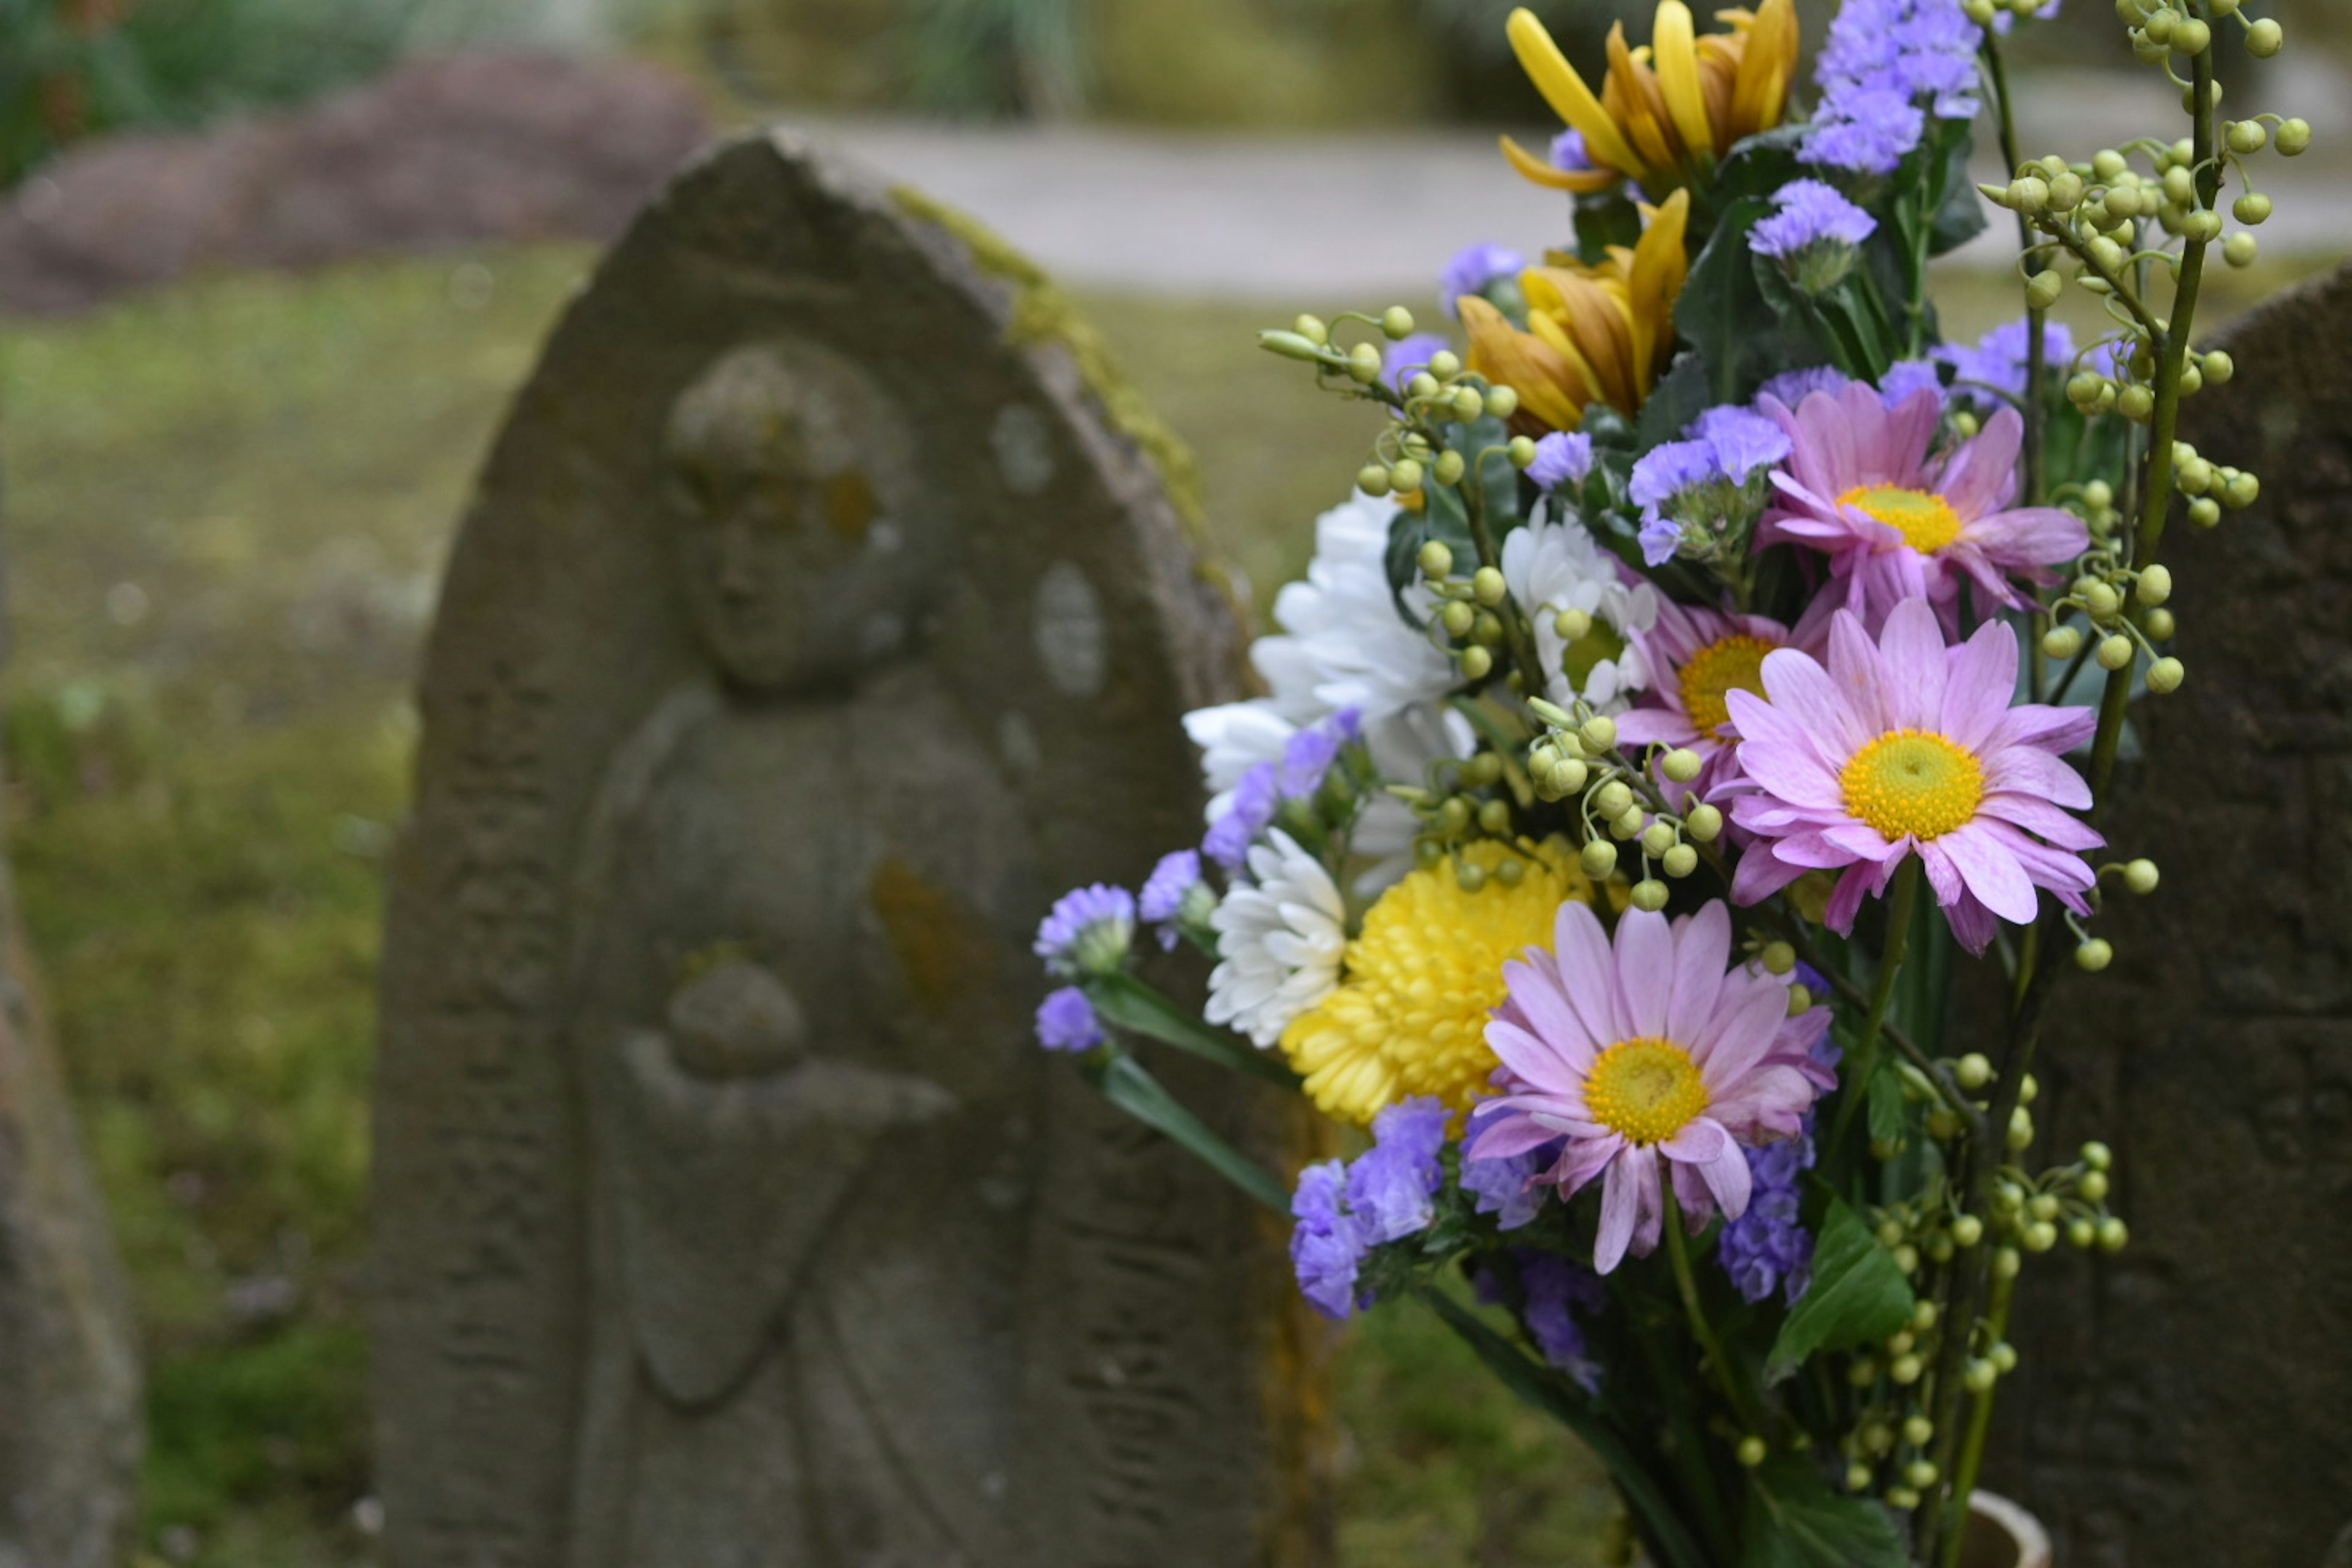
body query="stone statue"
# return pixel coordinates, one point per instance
(823, 612)
(771, 994)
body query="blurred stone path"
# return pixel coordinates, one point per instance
(1361, 220)
(487, 147)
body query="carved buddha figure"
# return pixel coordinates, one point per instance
(808, 1116)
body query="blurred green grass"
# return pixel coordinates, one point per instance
(228, 504)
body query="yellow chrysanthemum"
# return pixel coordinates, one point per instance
(1668, 111)
(1595, 334)
(1410, 1017)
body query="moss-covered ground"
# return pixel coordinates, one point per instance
(226, 508)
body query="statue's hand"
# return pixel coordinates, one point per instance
(736, 1020)
(865, 1098)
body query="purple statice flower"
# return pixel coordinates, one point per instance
(1871, 130)
(1409, 355)
(1562, 458)
(1507, 1187)
(1698, 490)
(1559, 1290)
(1671, 468)
(1255, 799)
(1088, 930)
(1791, 385)
(1570, 152)
(1905, 378)
(1391, 1186)
(1308, 754)
(1328, 1245)
(1887, 66)
(1067, 1021)
(1998, 361)
(1768, 1246)
(1659, 536)
(1473, 268)
(1742, 440)
(1164, 892)
(1345, 1210)
(1809, 216)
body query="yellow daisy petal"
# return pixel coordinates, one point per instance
(1675, 46)
(1566, 92)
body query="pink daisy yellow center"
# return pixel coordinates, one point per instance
(1644, 1087)
(1925, 520)
(1915, 782)
(1727, 665)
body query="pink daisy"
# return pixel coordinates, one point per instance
(1859, 485)
(1648, 1055)
(1696, 657)
(1909, 747)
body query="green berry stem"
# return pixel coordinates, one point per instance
(1997, 72)
(1969, 1462)
(2172, 351)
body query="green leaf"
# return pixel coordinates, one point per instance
(1545, 1390)
(1442, 519)
(1960, 217)
(1124, 1082)
(1721, 305)
(1794, 1520)
(1603, 221)
(1128, 1003)
(1858, 1296)
(1676, 401)
(1760, 165)
(1886, 1107)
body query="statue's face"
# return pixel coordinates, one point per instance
(804, 554)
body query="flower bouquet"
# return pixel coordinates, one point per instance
(1708, 657)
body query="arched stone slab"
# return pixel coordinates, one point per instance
(821, 615)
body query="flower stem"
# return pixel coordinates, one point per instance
(1710, 1346)
(1972, 1265)
(1972, 1446)
(2036, 407)
(1900, 904)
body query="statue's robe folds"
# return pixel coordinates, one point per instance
(769, 1274)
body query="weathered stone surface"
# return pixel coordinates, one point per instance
(71, 1421)
(815, 623)
(452, 151)
(2190, 1402)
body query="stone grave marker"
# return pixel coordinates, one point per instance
(72, 1411)
(2189, 1402)
(820, 617)
(72, 1419)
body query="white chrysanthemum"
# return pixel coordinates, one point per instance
(1343, 645)
(1279, 940)
(1343, 625)
(1233, 738)
(1555, 566)
(1401, 751)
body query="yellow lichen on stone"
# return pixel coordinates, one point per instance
(1044, 313)
(943, 952)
